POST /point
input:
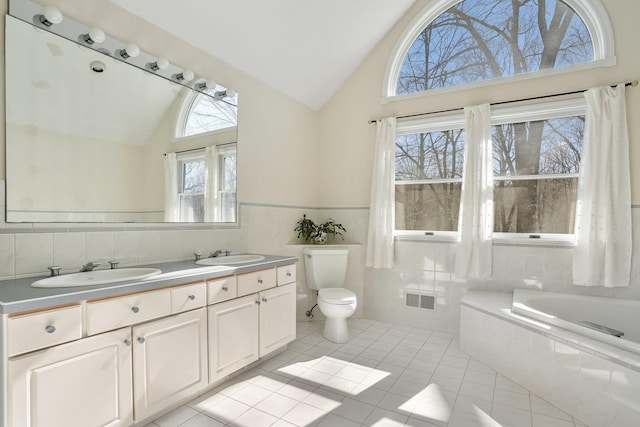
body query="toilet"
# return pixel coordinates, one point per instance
(326, 270)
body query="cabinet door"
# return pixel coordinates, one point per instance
(169, 361)
(84, 383)
(277, 317)
(233, 335)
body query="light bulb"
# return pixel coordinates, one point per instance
(96, 35)
(231, 93)
(131, 50)
(186, 76)
(160, 64)
(51, 16)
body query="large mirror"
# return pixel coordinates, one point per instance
(88, 138)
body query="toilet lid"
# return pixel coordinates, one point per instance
(337, 295)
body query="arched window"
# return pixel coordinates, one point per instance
(453, 43)
(202, 114)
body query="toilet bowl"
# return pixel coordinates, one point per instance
(326, 270)
(337, 304)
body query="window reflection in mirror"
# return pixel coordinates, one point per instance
(87, 147)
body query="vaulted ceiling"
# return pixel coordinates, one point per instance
(303, 48)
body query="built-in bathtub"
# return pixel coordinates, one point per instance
(535, 339)
(612, 321)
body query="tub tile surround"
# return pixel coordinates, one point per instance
(563, 368)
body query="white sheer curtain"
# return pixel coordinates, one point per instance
(211, 211)
(474, 253)
(603, 224)
(171, 202)
(381, 206)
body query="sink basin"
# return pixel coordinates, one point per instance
(98, 277)
(230, 259)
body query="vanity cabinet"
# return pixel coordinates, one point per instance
(122, 359)
(247, 328)
(84, 383)
(169, 361)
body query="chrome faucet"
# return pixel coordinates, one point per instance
(218, 253)
(89, 266)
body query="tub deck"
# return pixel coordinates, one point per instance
(594, 382)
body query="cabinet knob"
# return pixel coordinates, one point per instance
(288, 274)
(141, 340)
(258, 301)
(260, 281)
(192, 297)
(264, 299)
(127, 342)
(225, 288)
(50, 329)
(135, 309)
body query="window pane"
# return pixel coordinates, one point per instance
(433, 155)
(193, 175)
(552, 146)
(427, 206)
(535, 206)
(228, 204)
(192, 207)
(228, 182)
(209, 114)
(478, 40)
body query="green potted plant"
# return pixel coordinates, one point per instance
(318, 233)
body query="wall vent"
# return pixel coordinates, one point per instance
(417, 300)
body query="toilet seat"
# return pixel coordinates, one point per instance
(337, 296)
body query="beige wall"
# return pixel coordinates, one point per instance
(344, 119)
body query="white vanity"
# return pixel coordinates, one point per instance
(120, 355)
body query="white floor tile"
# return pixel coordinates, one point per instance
(385, 376)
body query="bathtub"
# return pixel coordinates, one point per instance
(536, 339)
(612, 321)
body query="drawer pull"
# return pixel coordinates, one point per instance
(264, 299)
(127, 342)
(225, 288)
(141, 340)
(288, 274)
(258, 301)
(192, 297)
(135, 309)
(50, 329)
(260, 281)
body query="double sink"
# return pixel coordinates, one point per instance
(103, 277)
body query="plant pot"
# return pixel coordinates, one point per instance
(320, 239)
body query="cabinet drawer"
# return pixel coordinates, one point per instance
(286, 274)
(188, 297)
(256, 281)
(30, 332)
(222, 289)
(114, 313)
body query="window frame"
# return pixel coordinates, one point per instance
(188, 104)
(181, 159)
(592, 13)
(563, 106)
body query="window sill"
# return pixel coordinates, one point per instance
(549, 242)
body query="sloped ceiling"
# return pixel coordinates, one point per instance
(303, 48)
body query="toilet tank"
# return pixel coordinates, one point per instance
(325, 267)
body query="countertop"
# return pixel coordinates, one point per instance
(18, 295)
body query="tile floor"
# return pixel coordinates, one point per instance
(386, 375)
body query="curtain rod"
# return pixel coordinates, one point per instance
(200, 148)
(633, 83)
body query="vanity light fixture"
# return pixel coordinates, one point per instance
(160, 64)
(95, 35)
(50, 16)
(130, 51)
(204, 85)
(185, 76)
(227, 93)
